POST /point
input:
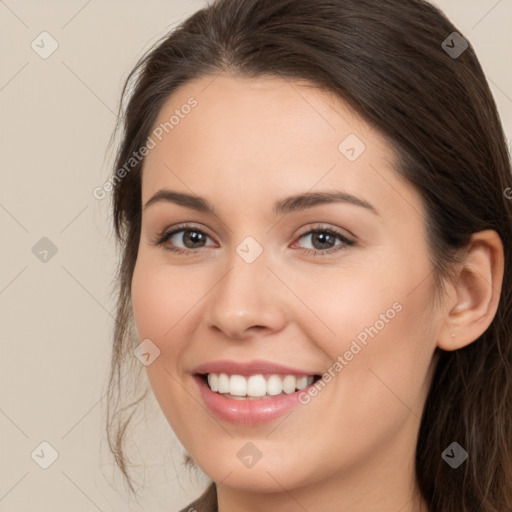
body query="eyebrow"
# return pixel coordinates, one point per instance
(283, 206)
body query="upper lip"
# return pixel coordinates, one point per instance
(249, 368)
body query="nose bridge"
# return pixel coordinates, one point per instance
(246, 297)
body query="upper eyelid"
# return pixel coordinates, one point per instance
(186, 227)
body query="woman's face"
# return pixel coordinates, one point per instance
(255, 282)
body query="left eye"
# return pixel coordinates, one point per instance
(325, 239)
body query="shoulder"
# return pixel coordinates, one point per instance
(207, 502)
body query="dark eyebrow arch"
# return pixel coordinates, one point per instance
(283, 206)
(311, 199)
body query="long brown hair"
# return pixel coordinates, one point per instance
(390, 61)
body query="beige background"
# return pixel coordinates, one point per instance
(57, 115)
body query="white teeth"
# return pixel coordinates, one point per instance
(223, 383)
(213, 381)
(256, 386)
(237, 385)
(303, 382)
(289, 383)
(274, 385)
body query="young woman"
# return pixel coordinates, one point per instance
(313, 201)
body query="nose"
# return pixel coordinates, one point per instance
(248, 300)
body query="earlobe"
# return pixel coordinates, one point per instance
(478, 287)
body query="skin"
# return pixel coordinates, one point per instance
(247, 144)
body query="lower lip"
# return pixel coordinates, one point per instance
(248, 412)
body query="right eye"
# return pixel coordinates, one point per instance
(188, 235)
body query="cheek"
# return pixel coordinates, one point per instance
(160, 302)
(377, 324)
(162, 306)
(148, 302)
(379, 361)
(162, 296)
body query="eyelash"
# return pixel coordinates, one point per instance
(162, 238)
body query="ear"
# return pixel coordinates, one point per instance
(476, 292)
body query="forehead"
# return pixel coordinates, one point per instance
(223, 137)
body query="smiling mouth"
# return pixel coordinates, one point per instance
(256, 387)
